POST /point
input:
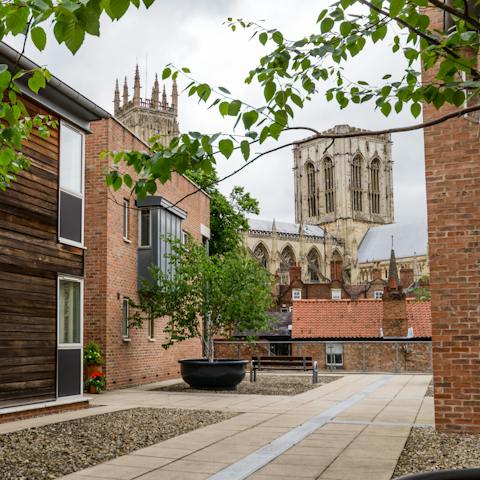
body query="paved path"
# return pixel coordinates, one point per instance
(352, 428)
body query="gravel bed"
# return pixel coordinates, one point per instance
(55, 450)
(265, 385)
(428, 450)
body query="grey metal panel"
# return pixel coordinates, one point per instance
(158, 201)
(408, 240)
(69, 372)
(71, 210)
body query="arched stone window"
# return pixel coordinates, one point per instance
(357, 184)
(261, 255)
(311, 190)
(375, 186)
(329, 171)
(313, 260)
(287, 260)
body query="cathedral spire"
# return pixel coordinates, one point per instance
(116, 98)
(156, 93)
(164, 98)
(125, 92)
(174, 96)
(136, 87)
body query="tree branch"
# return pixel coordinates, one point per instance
(457, 13)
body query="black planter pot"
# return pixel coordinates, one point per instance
(222, 374)
(464, 474)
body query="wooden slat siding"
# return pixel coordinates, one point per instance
(30, 260)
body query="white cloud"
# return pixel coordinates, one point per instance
(190, 33)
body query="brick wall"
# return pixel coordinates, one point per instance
(452, 168)
(111, 265)
(358, 356)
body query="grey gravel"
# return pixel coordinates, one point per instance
(51, 451)
(428, 450)
(265, 385)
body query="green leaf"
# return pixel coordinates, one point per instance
(277, 37)
(326, 25)
(234, 108)
(386, 108)
(396, 7)
(5, 78)
(36, 81)
(416, 109)
(458, 98)
(245, 148)
(74, 36)
(263, 38)
(223, 108)
(249, 118)
(116, 8)
(269, 90)
(226, 147)
(16, 19)
(39, 37)
(345, 28)
(167, 71)
(148, 3)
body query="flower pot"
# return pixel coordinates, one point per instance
(93, 368)
(221, 374)
(92, 389)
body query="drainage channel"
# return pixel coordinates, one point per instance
(261, 457)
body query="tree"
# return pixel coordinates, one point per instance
(231, 292)
(228, 215)
(297, 70)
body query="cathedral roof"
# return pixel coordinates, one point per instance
(408, 240)
(285, 228)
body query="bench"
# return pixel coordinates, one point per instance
(283, 363)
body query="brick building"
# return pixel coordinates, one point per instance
(121, 237)
(452, 169)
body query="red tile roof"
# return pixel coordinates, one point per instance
(353, 318)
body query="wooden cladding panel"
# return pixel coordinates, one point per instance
(30, 260)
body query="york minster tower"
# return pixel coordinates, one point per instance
(148, 117)
(345, 186)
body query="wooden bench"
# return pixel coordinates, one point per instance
(283, 363)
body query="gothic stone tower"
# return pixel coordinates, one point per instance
(346, 187)
(148, 117)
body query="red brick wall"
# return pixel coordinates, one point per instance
(452, 168)
(111, 266)
(368, 356)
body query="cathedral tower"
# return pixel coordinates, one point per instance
(346, 186)
(148, 117)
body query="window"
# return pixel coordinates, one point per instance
(311, 191)
(144, 229)
(69, 311)
(126, 213)
(261, 255)
(336, 294)
(357, 184)
(334, 353)
(329, 185)
(70, 217)
(378, 294)
(151, 327)
(170, 226)
(313, 260)
(375, 186)
(125, 316)
(296, 294)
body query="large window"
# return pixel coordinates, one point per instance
(126, 219)
(357, 184)
(71, 186)
(125, 316)
(329, 171)
(170, 226)
(69, 311)
(375, 186)
(334, 354)
(311, 191)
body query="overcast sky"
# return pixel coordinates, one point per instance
(191, 33)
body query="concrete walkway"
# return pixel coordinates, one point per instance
(352, 428)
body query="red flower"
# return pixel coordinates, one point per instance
(96, 375)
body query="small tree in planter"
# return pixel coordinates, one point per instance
(207, 296)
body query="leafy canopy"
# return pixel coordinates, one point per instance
(228, 215)
(294, 71)
(232, 291)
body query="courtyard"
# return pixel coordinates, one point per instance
(355, 426)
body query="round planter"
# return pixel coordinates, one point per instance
(92, 389)
(463, 474)
(222, 374)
